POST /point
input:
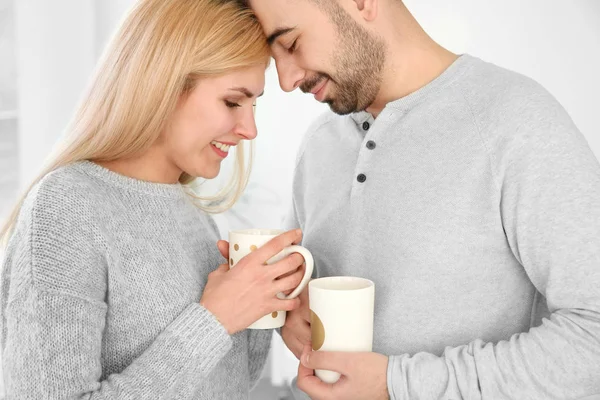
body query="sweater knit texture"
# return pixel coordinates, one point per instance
(101, 284)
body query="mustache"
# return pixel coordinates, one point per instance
(309, 84)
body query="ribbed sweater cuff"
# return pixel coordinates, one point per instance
(200, 335)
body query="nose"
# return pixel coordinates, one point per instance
(290, 74)
(246, 126)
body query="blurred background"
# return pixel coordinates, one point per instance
(48, 51)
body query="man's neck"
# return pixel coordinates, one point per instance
(413, 58)
(417, 68)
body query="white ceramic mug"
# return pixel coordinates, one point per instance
(341, 313)
(244, 242)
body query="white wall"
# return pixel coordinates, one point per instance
(55, 57)
(58, 45)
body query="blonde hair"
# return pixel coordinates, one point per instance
(159, 53)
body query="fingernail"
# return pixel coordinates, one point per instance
(298, 232)
(306, 358)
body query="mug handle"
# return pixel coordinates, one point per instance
(310, 263)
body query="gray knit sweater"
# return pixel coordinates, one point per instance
(101, 285)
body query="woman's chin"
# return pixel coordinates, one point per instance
(207, 174)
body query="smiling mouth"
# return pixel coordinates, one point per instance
(221, 146)
(318, 87)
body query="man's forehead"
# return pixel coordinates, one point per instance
(274, 14)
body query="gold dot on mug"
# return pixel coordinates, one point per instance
(236, 247)
(317, 331)
(231, 261)
(253, 247)
(274, 315)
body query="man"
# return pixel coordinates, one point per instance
(463, 190)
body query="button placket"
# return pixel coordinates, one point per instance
(362, 177)
(366, 125)
(362, 166)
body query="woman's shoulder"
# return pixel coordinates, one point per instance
(67, 180)
(63, 200)
(60, 195)
(57, 233)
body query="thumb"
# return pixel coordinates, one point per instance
(333, 361)
(223, 247)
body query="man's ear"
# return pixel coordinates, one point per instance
(367, 8)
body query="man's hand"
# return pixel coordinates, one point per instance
(296, 331)
(364, 375)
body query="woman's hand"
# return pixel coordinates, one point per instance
(240, 296)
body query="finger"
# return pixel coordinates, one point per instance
(300, 271)
(288, 283)
(310, 384)
(284, 305)
(299, 239)
(330, 360)
(223, 247)
(277, 244)
(286, 266)
(300, 268)
(304, 372)
(304, 310)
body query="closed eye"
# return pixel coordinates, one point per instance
(292, 48)
(231, 104)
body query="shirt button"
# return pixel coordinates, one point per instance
(361, 178)
(371, 145)
(366, 125)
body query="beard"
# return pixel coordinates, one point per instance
(358, 60)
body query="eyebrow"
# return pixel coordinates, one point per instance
(246, 92)
(278, 32)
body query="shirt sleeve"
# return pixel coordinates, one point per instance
(549, 182)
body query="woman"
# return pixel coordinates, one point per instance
(107, 289)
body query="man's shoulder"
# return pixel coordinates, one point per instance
(493, 90)
(515, 113)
